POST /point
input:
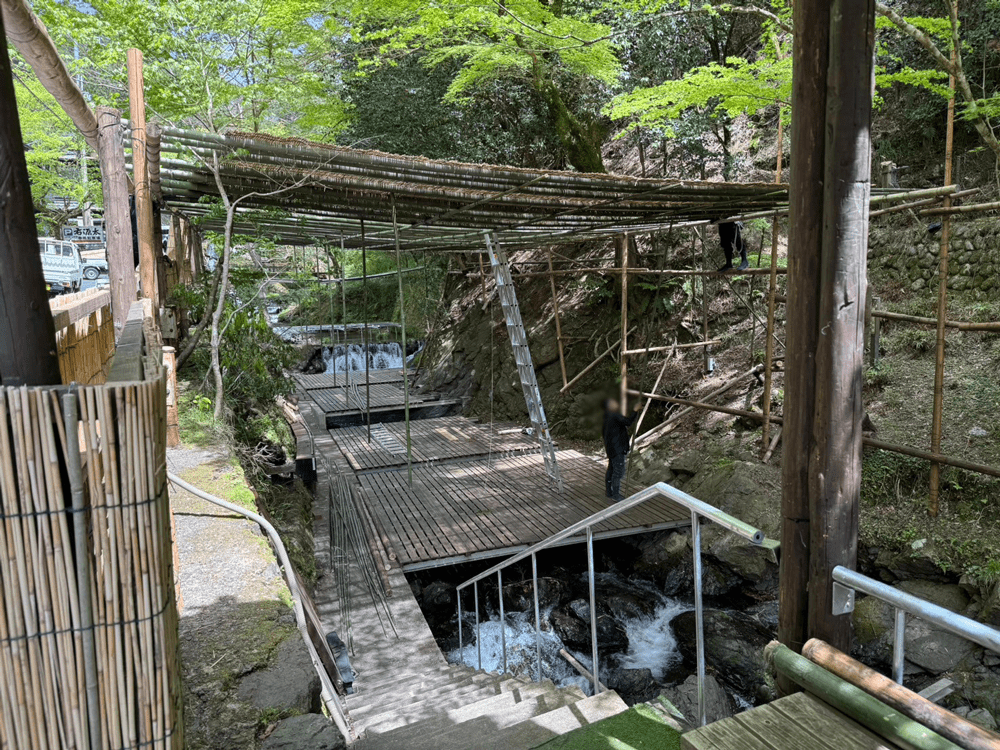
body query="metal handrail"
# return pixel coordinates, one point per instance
(699, 510)
(850, 581)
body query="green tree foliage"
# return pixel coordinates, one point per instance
(555, 48)
(52, 150)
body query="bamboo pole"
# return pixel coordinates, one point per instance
(364, 289)
(143, 202)
(942, 307)
(593, 364)
(772, 290)
(853, 701)
(924, 202)
(706, 359)
(343, 307)
(672, 347)
(555, 309)
(950, 726)
(402, 324)
(949, 210)
(623, 360)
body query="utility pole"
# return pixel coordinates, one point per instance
(27, 334)
(831, 96)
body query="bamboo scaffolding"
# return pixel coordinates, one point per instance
(924, 202)
(672, 347)
(402, 329)
(593, 364)
(949, 210)
(623, 360)
(555, 310)
(772, 290)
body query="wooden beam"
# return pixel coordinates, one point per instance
(117, 221)
(30, 37)
(593, 364)
(831, 96)
(143, 200)
(27, 335)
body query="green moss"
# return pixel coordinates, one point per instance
(225, 480)
(869, 620)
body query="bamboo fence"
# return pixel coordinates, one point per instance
(88, 619)
(85, 335)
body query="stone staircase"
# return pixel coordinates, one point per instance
(457, 708)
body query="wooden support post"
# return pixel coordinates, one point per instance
(343, 314)
(555, 310)
(143, 200)
(624, 326)
(831, 98)
(772, 291)
(706, 358)
(27, 334)
(117, 221)
(482, 275)
(173, 424)
(942, 306)
(402, 328)
(364, 305)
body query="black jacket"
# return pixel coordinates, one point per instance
(615, 433)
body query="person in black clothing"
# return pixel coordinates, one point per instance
(616, 445)
(731, 237)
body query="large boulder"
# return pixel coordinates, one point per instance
(438, 603)
(305, 732)
(665, 558)
(289, 684)
(927, 647)
(633, 685)
(750, 491)
(734, 648)
(684, 697)
(571, 622)
(520, 595)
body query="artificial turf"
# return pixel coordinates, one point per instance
(639, 728)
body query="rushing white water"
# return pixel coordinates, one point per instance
(651, 642)
(380, 357)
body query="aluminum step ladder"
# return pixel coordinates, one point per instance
(522, 356)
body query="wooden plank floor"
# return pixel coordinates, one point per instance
(432, 440)
(310, 381)
(477, 509)
(792, 723)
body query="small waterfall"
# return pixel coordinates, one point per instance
(380, 357)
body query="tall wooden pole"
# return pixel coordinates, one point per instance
(117, 222)
(364, 309)
(402, 328)
(143, 199)
(555, 310)
(624, 324)
(771, 294)
(942, 306)
(27, 333)
(831, 97)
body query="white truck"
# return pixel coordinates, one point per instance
(62, 264)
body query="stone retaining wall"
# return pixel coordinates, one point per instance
(974, 258)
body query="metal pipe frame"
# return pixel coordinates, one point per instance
(977, 632)
(699, 510)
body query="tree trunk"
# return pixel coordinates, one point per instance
(581, 141)
(27, 334)
(195, 336)
(220, 305)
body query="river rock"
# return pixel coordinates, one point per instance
(633, 685)
(926, 646)
(734, 648)
(438, 604)
(748, 490)
(305, 732)
(571, 622)
(689, 462)
(520, 596)
(571, 629)
(290, 683)
(684, 697)
(666, 559)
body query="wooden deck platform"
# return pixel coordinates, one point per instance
(792, 723)
(311, 381)
(432, 441)
(479, 509)
(475, 494)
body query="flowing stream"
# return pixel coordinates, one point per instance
(380, 357)
(651, 642)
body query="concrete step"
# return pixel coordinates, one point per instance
(482, 732)
(410, 684)
(376, 680)
(409, 713)
(389, 698)
(501, 711)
